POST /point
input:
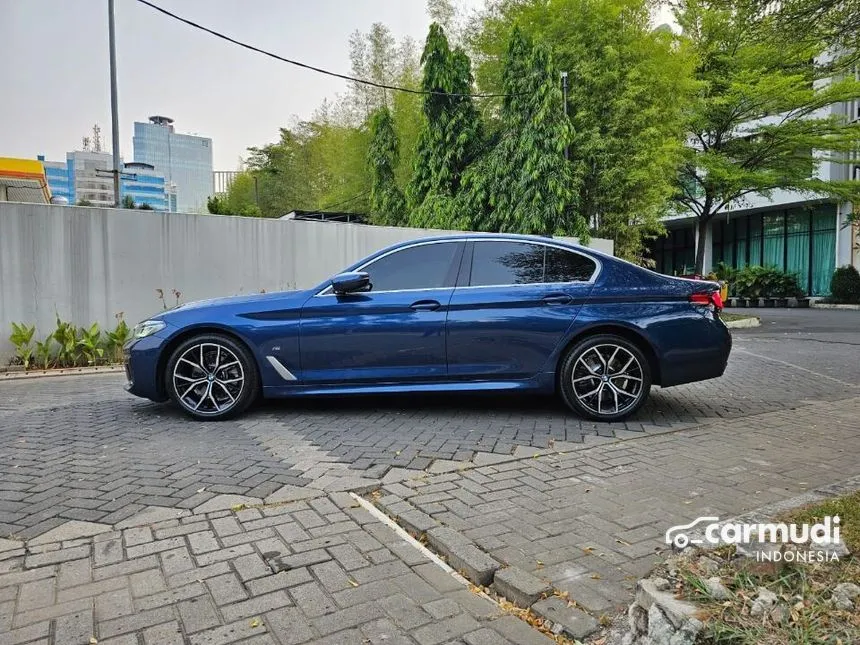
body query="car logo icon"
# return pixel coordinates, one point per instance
(679, 539)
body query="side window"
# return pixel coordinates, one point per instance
(568, 266)
(500, 263)
(427, 266)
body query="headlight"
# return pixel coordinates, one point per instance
(147, 328)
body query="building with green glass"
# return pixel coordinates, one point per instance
(788, 230)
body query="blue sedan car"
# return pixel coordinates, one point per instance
(467, 312)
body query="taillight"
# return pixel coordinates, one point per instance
(712, 299)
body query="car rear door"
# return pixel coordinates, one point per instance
(395, 331)
(514, 302)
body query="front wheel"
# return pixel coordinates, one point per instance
(604, 378)
(212, 377)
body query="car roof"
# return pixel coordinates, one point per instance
(466, 236)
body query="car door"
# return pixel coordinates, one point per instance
(395, 331)
(512, 307)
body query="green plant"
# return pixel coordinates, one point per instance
(66, 335)
(117, 338)
(22, 339)
(845, 284)
(761, 282)
(90, 344)
(44, 351)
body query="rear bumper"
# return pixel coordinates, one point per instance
(705, 361)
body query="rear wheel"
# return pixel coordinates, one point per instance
(605, 378)
(211, 376)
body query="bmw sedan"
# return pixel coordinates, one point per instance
(462, 313)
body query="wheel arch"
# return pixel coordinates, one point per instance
(628, 333)
(190, 332)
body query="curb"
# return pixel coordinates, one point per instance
(66, 371)
(827, 305)
(746, 323)
(519, 587)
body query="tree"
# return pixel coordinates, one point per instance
(387, 205)
(145, 207)
(450, 136)
(215, 205)
(524, 184)
(84, 202)
(128, 202)
(761, 121)
(628, 84)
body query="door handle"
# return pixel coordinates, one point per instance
(425, 305)
(557, 299)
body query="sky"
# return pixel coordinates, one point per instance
(55, 68)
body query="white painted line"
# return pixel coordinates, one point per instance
(427, 553)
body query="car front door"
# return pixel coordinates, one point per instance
(395, 331)
(513, 304)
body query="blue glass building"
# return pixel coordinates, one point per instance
(185, 160)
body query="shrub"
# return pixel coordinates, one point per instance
(22, 339)
(845, 284)
(762, 282)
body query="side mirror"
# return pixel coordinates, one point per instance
(350, 282)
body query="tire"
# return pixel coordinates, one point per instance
(208, 390)
(604, 397)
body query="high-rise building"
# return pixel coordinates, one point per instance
(184, 159)
(86, 177)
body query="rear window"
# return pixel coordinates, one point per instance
(568, 266)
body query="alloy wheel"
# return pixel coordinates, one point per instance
(208, 379)
(607, 379)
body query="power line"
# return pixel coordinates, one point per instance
(320, 70)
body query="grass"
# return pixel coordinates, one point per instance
(730, 317)
(804, 589)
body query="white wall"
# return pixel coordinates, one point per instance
(88, 264)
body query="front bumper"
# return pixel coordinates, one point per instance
(141, 358)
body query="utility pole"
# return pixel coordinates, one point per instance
(113, 104)
(564, 93)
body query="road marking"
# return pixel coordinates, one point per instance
(797, 367)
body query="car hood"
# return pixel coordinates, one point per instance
(237, 304)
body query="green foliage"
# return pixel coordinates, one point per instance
(628, 84)
(845, 285)
(524, 184)
(22, 339)
(449, 138)
(120, 335)
(90, 344)
(44, 352)
(215, 205)
(145, 207)
(387, 205)
(84, 202)
(69, 346)
(748, 72)
(66, 336)
(128, 202)
(761, 282)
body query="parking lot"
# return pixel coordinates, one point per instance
(81, 449)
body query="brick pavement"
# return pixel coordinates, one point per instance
(120, 513)
(590, 521)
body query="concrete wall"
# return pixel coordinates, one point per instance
(88, 264)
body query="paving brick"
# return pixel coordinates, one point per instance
(165, 634)
(76, 627)
(38, 593)
(517, 631)
(256, 605)
(54, 557)
(485, 636)
(113, 604)
(576, 624)
(226, 634)
(229, 553)
(251, 566)
(312, 600)
(445, 630)
(92, 589)
(146, 583)
(107, 552)
(175, 561)
(170, 596)
(520, 587)
(198, 614)
(73, 573)
(203, 541)
(280, 580)
(25, 634)
(226, 588)
(23, 618)
(346, 618)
